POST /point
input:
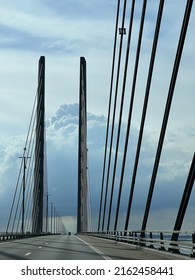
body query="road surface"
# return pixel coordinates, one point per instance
(75, 247)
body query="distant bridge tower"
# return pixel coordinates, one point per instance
(82, 215)
(37, 215)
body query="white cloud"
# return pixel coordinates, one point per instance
(62, 141)
(37, 28)
(10, 150)
(61, 29)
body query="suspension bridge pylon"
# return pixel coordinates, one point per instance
(82, 210)
(38, 192)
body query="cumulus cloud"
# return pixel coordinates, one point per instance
(172, 172)
(10, 150)
(62, 144)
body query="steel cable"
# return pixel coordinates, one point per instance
(149, 79)
(114, 113)
(167, 109)
(121, 111)
(109, 111)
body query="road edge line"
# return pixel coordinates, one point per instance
(95, 249)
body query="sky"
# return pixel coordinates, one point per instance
(63, 31)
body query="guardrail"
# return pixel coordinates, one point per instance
(160, 240)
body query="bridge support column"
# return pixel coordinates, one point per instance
(82, 210)
(37, 215)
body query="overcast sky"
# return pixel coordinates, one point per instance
(63, 31)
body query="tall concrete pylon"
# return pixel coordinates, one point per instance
(82, 214)
(38, 192)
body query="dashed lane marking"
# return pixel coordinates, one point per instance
(27, 254)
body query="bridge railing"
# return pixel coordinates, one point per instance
(160, 240)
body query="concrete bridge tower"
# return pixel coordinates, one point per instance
(82, 214)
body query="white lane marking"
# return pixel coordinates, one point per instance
(40, 247)
(27, 254)
(95, 249)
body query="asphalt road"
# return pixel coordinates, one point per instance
(56, 247)
(73, 247)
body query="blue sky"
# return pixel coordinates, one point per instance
(63, 31)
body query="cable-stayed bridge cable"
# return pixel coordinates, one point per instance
(167, 108)
(149, 79)
(121, 111)
(28, 150)
(109, 111)
(114, 113)
(132, 94)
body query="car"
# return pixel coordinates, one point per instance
(69, 233)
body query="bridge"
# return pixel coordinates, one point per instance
(35, 228)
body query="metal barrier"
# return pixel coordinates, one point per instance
(159, 240)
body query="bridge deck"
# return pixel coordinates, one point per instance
(121, 251)
(80, 247)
